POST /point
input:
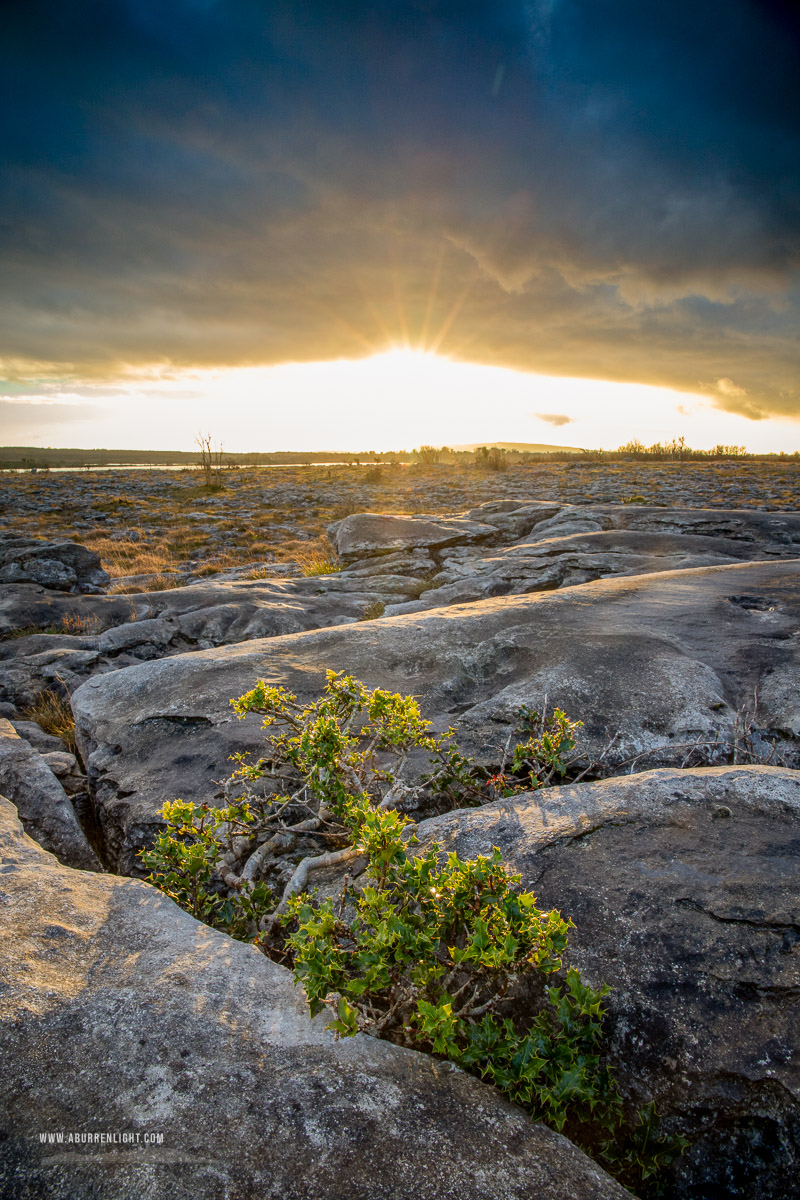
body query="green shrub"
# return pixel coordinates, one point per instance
(541, 757)
(354, 739)
(434, 952)
(428, 954)
(186, 862)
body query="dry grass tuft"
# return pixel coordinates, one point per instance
(54, 715)
(132, 558)
(318, 558)
(72, 623)
(260, 573)
(209, 568)
(156, 583)
(373, 611)
(78, 623)
(220, 562)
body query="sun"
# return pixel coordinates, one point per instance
(405, 362)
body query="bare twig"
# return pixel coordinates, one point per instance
(299, 879)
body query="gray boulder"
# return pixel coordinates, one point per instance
(40, 740)
(157, 632)
(684, 887)
(152, 625)
(364, 534)
(66, 769)
(512, 518)
(121, 1016)
(44, 807)
(657, 663)
(417, 562)
(30, 666)
(60, 566)
(217, 611)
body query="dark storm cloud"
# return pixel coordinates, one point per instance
(587, 187)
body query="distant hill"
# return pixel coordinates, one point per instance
(524, 447)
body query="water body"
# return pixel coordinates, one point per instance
(179, 467)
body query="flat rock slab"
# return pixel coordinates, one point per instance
(657, 661)
(684, 887)
(216, 610)
(409, 564)
(578, 544)
(120, 1014)
(127, 629)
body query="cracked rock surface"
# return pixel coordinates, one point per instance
(119, 1012)
(657, 662)
(672, 633)
(684, 887)
(390, 564)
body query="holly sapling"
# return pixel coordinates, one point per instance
(187, 863)
(542, 756)
(429, 951)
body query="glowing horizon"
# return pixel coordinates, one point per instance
(397, 399)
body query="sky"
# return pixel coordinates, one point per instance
(348, 225)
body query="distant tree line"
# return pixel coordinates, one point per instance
(496, 458)
(209, 457)
(678, 450)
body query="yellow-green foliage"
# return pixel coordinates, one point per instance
(185, 862)
(430, 951)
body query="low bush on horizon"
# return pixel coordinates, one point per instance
(428, 456)
(430, 951)
(493, 459)
(677, 449)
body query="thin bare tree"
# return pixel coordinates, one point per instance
(210, 457)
